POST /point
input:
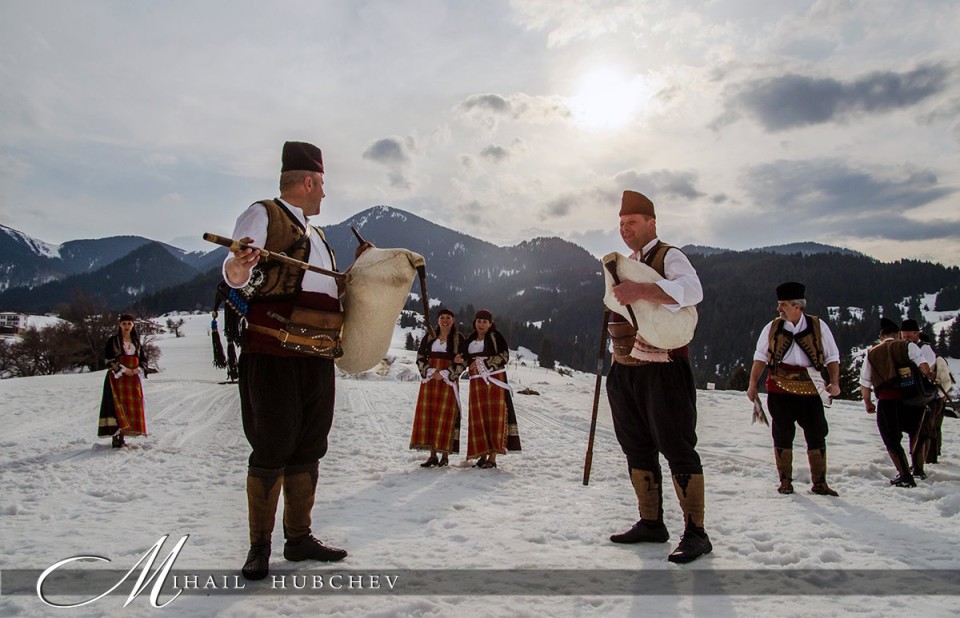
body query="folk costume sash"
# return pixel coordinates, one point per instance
(793, 379)
(128, 397)
(436, 422)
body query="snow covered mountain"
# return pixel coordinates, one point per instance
(26, 262)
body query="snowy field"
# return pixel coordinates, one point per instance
(65, 494)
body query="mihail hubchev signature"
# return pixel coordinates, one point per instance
(161, 575)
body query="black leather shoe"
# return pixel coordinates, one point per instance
(117, 440)
(904, 481)
(643, 532)
(309, 548)
(488, 464)
(480, 462)
(919, 474)
(693, 544)
(444, 462)
(258, 562)
(431, 462)
(822, 489)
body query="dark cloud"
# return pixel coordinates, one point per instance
(496, 153)
(822, 199)
(828, 187)
(389, 151)
(398, 180)
(517, 106)
(661, 183)
(791, 101)
(561, 206)
(488, 102)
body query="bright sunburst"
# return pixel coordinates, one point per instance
(607, 99)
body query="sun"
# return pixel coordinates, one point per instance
(608, 99)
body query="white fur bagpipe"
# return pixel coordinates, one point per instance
(377, 286)
(655, 324)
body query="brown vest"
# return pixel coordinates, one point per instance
(286, 235)
(810, 341)
(885, 358)
(281, 287)
(622, 333)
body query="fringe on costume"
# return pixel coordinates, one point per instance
(236, 307)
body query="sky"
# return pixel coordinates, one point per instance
(748, 123)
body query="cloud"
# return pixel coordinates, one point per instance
(399, 180)
(791, 101)
(561, 206)
(826, 198)
(495, 153)
(570, 22)
(391, 151)
(661, 183)
(486, 102)
(490, 109)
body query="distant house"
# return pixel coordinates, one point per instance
(12, 322)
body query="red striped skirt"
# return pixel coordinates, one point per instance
(487, 431)
(128, 399)
(436, 423)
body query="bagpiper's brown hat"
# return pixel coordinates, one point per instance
(634, 203)
(301, 156)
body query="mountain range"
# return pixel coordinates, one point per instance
(541, 289)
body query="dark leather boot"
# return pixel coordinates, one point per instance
(784, 458)
(903, 478)
(299, 493)
(694, 542)
(263, 493)
(818, 472)
(650, 528)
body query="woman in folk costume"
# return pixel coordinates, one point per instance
(436, 423)
(493, 422)
(121, 407)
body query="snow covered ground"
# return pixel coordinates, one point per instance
(66, 494)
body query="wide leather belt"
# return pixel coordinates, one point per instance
(285, 337)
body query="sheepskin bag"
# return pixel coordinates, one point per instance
(378, 284)
(657, 325)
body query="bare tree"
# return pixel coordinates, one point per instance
(176, 326)
(93, 323)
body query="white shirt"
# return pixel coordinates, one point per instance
(681, 282)
(438, 346)
(253, 223)
(795, 355)
(866, 372)
(475, 347)
(927, 353)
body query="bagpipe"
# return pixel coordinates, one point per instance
(375, 289)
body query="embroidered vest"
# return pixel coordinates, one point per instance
(810, 341)
(280, 286)
(286, 235)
